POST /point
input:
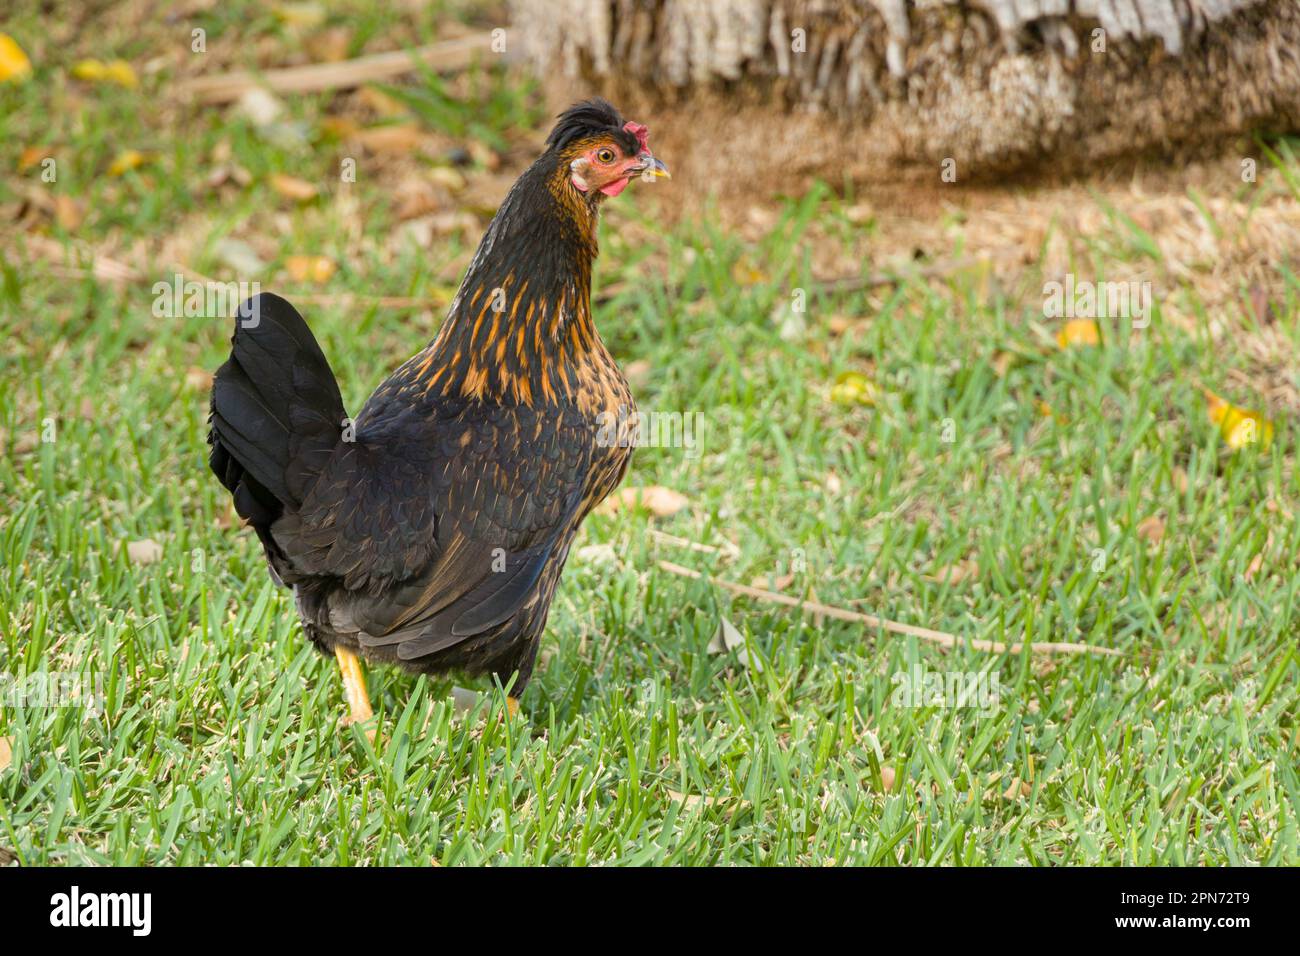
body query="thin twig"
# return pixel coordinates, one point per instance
(941, 638)
(447, 56)
(731, 550)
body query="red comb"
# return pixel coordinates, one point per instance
(640, 132)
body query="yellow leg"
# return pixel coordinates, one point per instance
(512, 705)
(354, 685)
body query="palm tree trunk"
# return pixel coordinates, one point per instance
(878, 88)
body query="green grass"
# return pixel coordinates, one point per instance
(220, 738)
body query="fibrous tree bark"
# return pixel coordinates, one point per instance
(877, 88)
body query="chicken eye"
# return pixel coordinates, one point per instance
(605, 155)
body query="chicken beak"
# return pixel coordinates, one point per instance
(651, 168)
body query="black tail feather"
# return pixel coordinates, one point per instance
(277, 414)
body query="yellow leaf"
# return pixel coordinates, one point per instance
(316, 269)
(115, 71)
(1238, 426)
(291, 187)
(127, 160)
(14, 64)
(854, 388)
(89, 70)
(745, 273)
(1078, 332)
(121, 73)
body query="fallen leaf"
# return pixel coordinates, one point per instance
(745, 273)
(338, 127)
(329, 46)
(854, 388)
(381, 103)
(1046, 411)
(145, 551)
(6, 752)
(1078, 332)
(1152, 529)
(1238, 426)
(291, 187)
(301, 15)
(198, 379)
(638, 372)
(955, 573)
(127, 160)
(1016, 789)
(791, 323)
(1253, 568)
(68, 212)
(728, 638)
(448, 178)
(118, 72)
(32, 155)
(316, 269)
(597, 554)
(14, 64)
(660, 501)
(396, 140)
(839, 324)
(692, 800)
(259, 106)
(238, 255)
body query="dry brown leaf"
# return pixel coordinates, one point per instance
(660, 501)
(198, 379)
(291, 187)
(697, 800)
(1017, 789)
(394, 140)
(144, 551)
(955, 573)
(381, 103)
(888, 777)
(1152, 529)
(32, 155)
(779, 583)
(637, 373)
(68, 212)
(329, 46)
(728, 638)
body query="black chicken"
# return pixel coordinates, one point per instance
(431, 531)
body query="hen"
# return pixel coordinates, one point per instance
(431, 531)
